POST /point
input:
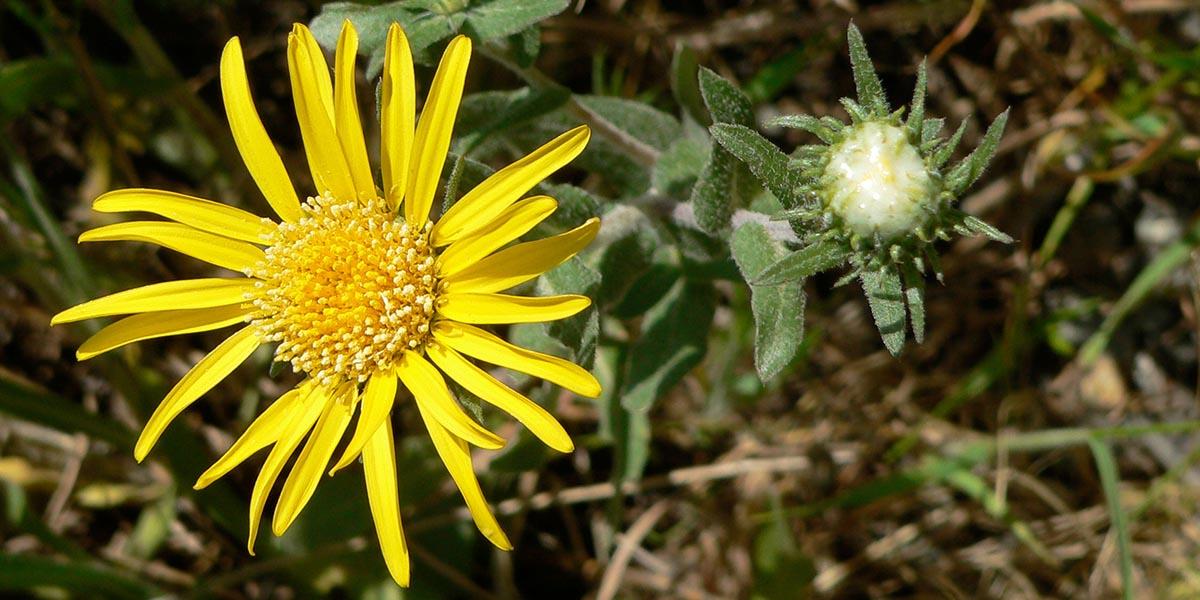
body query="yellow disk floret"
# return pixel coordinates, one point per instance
(346, 289)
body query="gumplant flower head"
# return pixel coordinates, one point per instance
(356, 286)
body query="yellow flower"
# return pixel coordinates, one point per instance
(359, 298)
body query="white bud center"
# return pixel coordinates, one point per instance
(877, 181)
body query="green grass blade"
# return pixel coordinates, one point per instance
(1106, 465)
(1163, 265)
(25, 572)
(26, 402)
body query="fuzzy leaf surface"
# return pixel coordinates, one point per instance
(803, 263)
(768, 163)
(725, 102)
(674, 340)
(971, 168)
(866, 81)
(500, 18)
(885, 295)
(712, 196)
(778, 309)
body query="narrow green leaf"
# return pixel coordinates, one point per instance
(807, 123)
(712, 196)
(916, 113)
(25, 401)
(885, 295)
(1167, 261)
(725, 102)
(778, 309)
(685, 85)
(914, 295)
(968, 171)
(803, 263)
(977, 225)
(866, 81)
(1110, 479)
(23, 572)
(946, 149)
(930, 130)
(500, 18)
(674, 339)
(768, 163)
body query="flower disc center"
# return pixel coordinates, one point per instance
(345, 289)
(877, 182)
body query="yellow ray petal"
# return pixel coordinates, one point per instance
(170, 295)
(479, 382)
(319, 68)
(321, 146)
(484, 346)
(456, 455)
(207, 373)
(509, 225)
(430, 391)
(493, 309)
(522, 262)
(264, 431)
(210, 248)
(505, 186)
(346, 119)
(251, 138)
(434, 129)
(160, 324)
(314, 458)
(204, 215)
(397, 115)
(306, 411)
(379, 469)
(377, 399)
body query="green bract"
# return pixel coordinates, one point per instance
(876, 195)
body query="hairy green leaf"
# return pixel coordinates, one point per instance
(914, 295)
(778, 309)
(885, 295)
(768, 163)
(712, 197)
(807, 123)
(866, 81)
(977, 225)
(500, 18)
(916, 112)
(725, 102)
(674, 339)
(968, 171)
(819, 256)
(946, 149)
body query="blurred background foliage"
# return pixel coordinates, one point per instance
(1039, 443)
